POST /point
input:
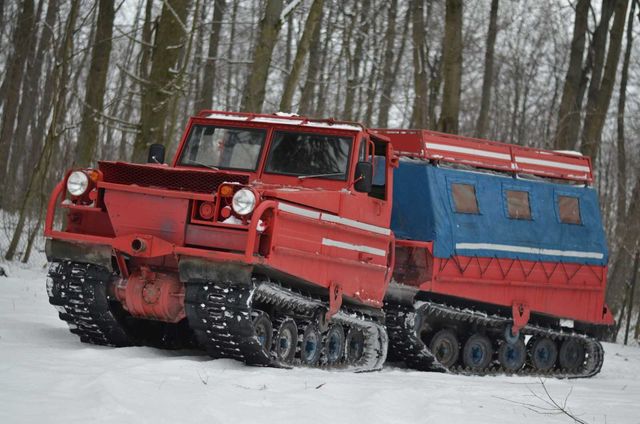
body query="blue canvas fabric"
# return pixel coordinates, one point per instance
(423, 210)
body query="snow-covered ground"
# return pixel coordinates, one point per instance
(48, 376)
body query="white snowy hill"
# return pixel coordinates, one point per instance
(48, 376)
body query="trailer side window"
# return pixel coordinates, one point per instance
(518, 204)
(569, 209)
(464, 198)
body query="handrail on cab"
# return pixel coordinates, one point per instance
(253, 227)
(51, 208)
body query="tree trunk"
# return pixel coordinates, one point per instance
(452, 67)
(206, 98)
(313, 21)
(355, 59)
(620, 140)
(388, 77)
(487, 77)
(158, 90)
(96, 85)
(270, 24)
(13, 79)
(36, 181)
(620, 268)
(313, 69)
(600, 90)
(569, 110)
(28, 102)
(420, 116)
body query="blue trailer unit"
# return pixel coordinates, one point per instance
(424, 210)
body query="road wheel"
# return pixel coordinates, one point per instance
(354, 345)
(478, 352)
(263, 330)
(571, 356)
(334, 344)
(311, 345)
(512, 356)
(445, 347)
(542, 353)
(286, 341)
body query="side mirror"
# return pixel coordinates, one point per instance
(364, 177)
(156, 154)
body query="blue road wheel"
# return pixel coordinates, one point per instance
(263, 331)
(354, 345)
(512, 356)
(311, 345)
(286, 341)
(445, 347)
(478, 352)
(543, 353)
(572, 355)
(334, 344)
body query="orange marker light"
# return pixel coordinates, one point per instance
(226, 191)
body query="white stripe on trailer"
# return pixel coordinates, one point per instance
(356, 247)
(552, 164)
(355, 224)
(531, 250)
(468, 151)
(298, 211)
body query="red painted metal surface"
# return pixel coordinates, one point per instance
(152, 295)
(486, 154)
(564, 290)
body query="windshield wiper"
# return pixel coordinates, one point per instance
(195, 162)
(335, 174)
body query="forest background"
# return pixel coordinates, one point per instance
(85, 80)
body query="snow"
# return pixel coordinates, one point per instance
(48, 376)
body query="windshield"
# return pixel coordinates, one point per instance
(222, 147)
(299, 154)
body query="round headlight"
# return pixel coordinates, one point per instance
(77, 183)
(243, 201)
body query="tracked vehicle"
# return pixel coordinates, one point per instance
(263, 241)
(284, 241)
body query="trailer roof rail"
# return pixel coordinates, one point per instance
(479, 153)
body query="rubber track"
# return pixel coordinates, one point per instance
(220, 314)
(79, 293)
(405, 345)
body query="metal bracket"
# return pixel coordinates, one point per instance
(335, 300)
(521, 315)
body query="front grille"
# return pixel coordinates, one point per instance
(166, 177)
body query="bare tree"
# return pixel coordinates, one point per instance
(206, 98)
(313, 22)
(61, 75)
(12, 81)
(96, 85)
(452, 67)
(420, 117)
(600, 95)
(487, 78)
(569, 111)
(270, 25)
(158, 90)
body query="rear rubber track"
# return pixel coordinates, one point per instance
(406, 345)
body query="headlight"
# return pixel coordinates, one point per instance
(77, 183)
(243, 201)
